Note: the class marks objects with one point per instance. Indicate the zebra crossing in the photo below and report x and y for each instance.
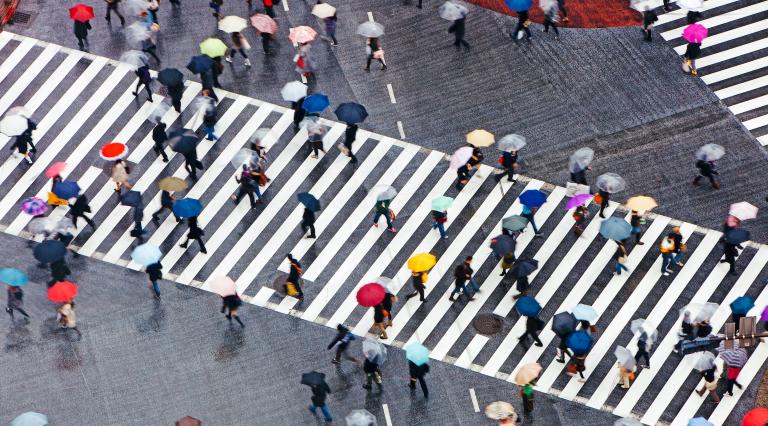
(81, 101)
(734, 57)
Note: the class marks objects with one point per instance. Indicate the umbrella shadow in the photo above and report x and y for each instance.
(156, 321)
(233, 340)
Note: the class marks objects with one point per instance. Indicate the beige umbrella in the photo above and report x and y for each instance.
(232, 24)
(172, 184)
(528, 373)
(500, 410)
(323, 10)
(480, 138)
(641, 203)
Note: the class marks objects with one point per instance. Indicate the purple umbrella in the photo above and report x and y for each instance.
(577, 200)
(764, 315)
(34, 206)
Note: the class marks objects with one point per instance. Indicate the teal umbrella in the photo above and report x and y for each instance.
(146, 254)
(616, 229)
(442, 203)
(417, 353)
(30, 418)
(514, 223)
(13, 277)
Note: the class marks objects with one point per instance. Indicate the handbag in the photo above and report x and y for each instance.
(598, 199)
(571, 368)
(391, 214)
(622, 259)
(631, 376)
(262, 179)
(379, 54)
(290, 289)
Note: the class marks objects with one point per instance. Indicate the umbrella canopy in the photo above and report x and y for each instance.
(627, 421)
(370, 29)
(309, 201)
(384, 192)
(511, 142)
(13, 277)
(293, 91)
(188, 421)
(313, 378)
(519, 5)
(81, 13)
(55, 169)
(514, 223)
(157, 114)
(187, 207)
(63, 224)
(200, 64)
(732, 221)
(19, 110)
(743, 211)
(302, 34)
(611, 182)
(172, 184)
(422, 262)
(170, 77)
(374, 351)
(699, 421)
(500, 410)
(528, 373)
(755, 417)
(351, 112)
(737, 236)
(131, 198)
(323, 10)
(700, 311)
(66, 189)
(359, 417)
(49, 251)
(527, 306)
(577, 200)
(625, 357)
(742, 305)
(183, 141)
(243, 156)
(480, 138)
(641, 203)
(146, 254)
(370, 295)
(705, 361)
(764, 315)
(213, 47)
(584, 313)
(13, 125)
(442, 203)
(461, 156)
(710, 152)
(524, 267)
(580, 342)
(533, 198)
(642, 326)
(264, 23)
(315, 102)
(694, 5)
(223, 286)
(41, 225)
(30, 418)
(135, 7)
(563, 324)
(735, 357)
(503, 244)
(113, 151)
(695, 33)
(580, 160)
(62, 291)
(417, 353)
(452, 10)
(136, 33)
(615, 228)
(135, 58)
(34, 206)
(232, 24)
(388, 284)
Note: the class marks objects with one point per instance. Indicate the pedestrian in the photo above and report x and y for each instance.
(305, 65)
(298, 113)
(686, 327)
(342, 340)
(144, 79)
(506, 262)
(692, 51)
(522, 286)
(706, 170)
(732, 373)
(643, 346)
(563, 10)
(382, 209)
(463, 274)
(533, 325)
(418, 280)
(649, 18)
(438, 222)
(580, 176)
(372, 372)
(195, 233)
(602, 198)
(160, 137)
(666, 248)
(315, 140)
(267, 40)
(229, 305)
(16, 302)
(191, 164)
(308, 222)
(522, 25)
(166, 203)
(175, 93)
(458, 29)
(112, 7)
(81, 32)
(710, 384)
(149, 44)
(66, 318)
(79, 209)
(138, 230)
(562, 350)
(625, 376)
(679, 247)
(475, 160)
(374, 51)
(580, 215)
(380, 320)
(620, 257)
(154, 272)
(248, 186)
(319, 394)
(635, 221)
(269, 8)
(330, 28)
(730, 252)
(24, 140)
(576, 366)
(216, 6)
(528, 213)
(176, 3)
(463, 175)
(153, 8)
(526, 393)
(667, 7)
(350, 134)
(293, 283)
(508, 161)
(120, 171)
(389, 301)
(703, 329)
(209, 118)
(417, 372)
(59, 271)
(240, 44)
(550, 19)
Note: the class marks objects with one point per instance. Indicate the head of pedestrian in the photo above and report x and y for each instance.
(676, 229)
(468, 260)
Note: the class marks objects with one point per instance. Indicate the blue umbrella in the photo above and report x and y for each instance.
(30, 418)
(200, 64)
(742, 305)
(527, 306)
(146, 254)
(315, 103)
(699, 421)
(615, 228)
(533, 198)
(309, 201)
(351, 112)
(187, 207)
(519, 5)
(13, 277)
(49, 251)
(580, 342)
(66, 189)
(131, 198)
(417, 353)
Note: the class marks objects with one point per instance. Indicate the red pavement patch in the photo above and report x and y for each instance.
(581, 13)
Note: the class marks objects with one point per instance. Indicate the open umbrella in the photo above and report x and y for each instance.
(460, 157)
(519, 5)
(533, 198)
(183, 141)
(527, 306)
(422, 262)
(710, 152)
(19, 110)
(580, 342)
(351, 112)
(584, 313)
(223, 286)
(452, 10)
(511, 142)
(374, 351)
(624, 357)
(62, 291)
(442, 203)
(641, 203)
(737, 236)
(135, 58)
(514, 223)
(503, 244)
(66, 189)
(480, 138)
(764, 315)
(695, 33)
(359, 417)
(49, 251)
(136, 33)
(232, 24)
(577, 200)
(524, 267)
(213, 47)
(13, 125)
(743, 211)
(611, 183)
(699, 421)
(200, 64)
(705, 361)
(293, 91)
(563, 324)
(741, 305)
(755, 417)
(63, 224)
(131, 198)
(528, 373)
(313, 378)
(30, 418)
(34, 206)
(315, 102)
(388, 284)
(146, 254)
(384, 192)
(370, 29)
(41, 225)
(243, 156)
(580, 160)
(135, 7)
(500, 410)
(735, 357)
(264, 23)
(188, 421)
(700, 311)
(55, 169)
(81, 13)
(641, 5)
(113, 151)
(417, 353)
(170, 77)
(157, 114)
(370, 295)
(187, 207)
(172, 184)
(323, 10)
(13, 277)
(309, 201)
(615, 228)
(302, 34)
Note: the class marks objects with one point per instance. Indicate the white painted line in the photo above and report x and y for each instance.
(12, 61)
(681, 13)
(728, 35)
(763, 140)
(471, 351)
(25, 79)
(387, 417)
(287, 304)
(731, 53)
(720, 19)
(400, 129)
(5, 37)
(756, 122)
(285, 5)
(472, 396)
(391, 93)
(749, 105)
(85, 181)
(262, 297)
(736, 71)
(370, 16)
(744, 87)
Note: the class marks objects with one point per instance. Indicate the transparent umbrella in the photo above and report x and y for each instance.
(360, 418)
(547, 5)
(159, 112)
(700, 311)
(134, 7)
(710, 152)
(242, 157)
(19, 110)
(452, 10)
(384, 192)
(136, 33)
(624, 357)
(694, 5)
(232, 24)
(259, 136)
(41, 225)
(705, 361)
(374, 351)
(13, 125)
(627, 421)
(500, 410)
(511, 142)
(293, 91)
(581, 159)
(641, 5)
(134, 58)
(370, 29)
(611, 182)
(388, 284)
(641, 325)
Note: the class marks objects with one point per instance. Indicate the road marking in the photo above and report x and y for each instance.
(29, 74)
(10, 63)
(370, 16)
(391, 93)
(400, 129)
(387, 417)
(285, 5)
(719, 19)
(472, 396)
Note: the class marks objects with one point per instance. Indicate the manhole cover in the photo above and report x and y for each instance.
(21, 18)
(279, 283)
(487, 324)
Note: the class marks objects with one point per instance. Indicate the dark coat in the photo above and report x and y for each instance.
(320, 393)
(159, 135)
(60, 270)
(417, 371)
(309, 216)
(349, 135)
(81, 29)
(155, 271)
(533, 324)
(143, 74)
(457, 28)
(80, 206)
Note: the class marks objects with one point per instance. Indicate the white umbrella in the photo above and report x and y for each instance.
(259, 135)
(547, 5)
(19, 110)
(743, 211)
(710, 152)
(452, 10)
(388, 284)
(584, 312)
(134, 58)
(360, 418)
(705, 361)
(511, 142)
(223, 286)
(611, 182)
(293, 91)
(693, 5)
(500, 410)
(232, 24)
(641, 325)
(312, 126)
(63, 224)
(384, 192)
(374, 351)
(203, 104)
(370, 29)
(159, 112)
(624, 357)
(41, 225)
(581, 159)
(641, 5)
(323, 10)
(242, 157)
(136, 33)
(700, 311)
(13, 125)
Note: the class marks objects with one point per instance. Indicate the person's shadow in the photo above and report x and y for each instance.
(232, 342)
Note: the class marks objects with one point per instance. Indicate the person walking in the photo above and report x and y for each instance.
(24, 141)
(209, 118)
(533, 325)
(730, 252)
(330, 28)
(562, 350)
(166, 203)
(462, 175)
(342, 340)
(79, 209)
(248, 186)
(438, 222)
(706, 170)
(153, 8)
(350, 134)
(380, 320)
(508, 161)
(66, 317)
(160, 137)
(625, 375)
(269, 8)
(138, 230)
(635, 221)
(144, 79)
(620, 256)
(602, 198)
(229, 306)
(692, 52)
(522, 286)
(563, 10)
(120, 171)
(298, 113)
(507, 260)
(463, 274)
(59, 271)
(81, 32)
(580, 176)
(643, 346)
(149, 44)
(580, 215)
(382, 209)
(687, 331)
(550, 19)
(315, 140)
(308, 222)
(528, 213)
(175, 93)
(710, 384)
(155, 273)
(194, 233)
(458, 29)
(216, 6)
(293, 283)
(526, 394)
(417, 372)
(576, 366)
(112, 7)
(305, 64)
(240, 45)
(374, 51)
(732, 373)
(16, 302)
(665, 247)
(679, 247)
(191, 164)
(319, 395)
(372, 372)
(649, 18)
(267, 40)
(523, 22)
(418, 281)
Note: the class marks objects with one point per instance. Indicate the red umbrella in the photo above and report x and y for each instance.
(755, 417)
(81, 12)
(370, 295)
(55, 169)
(113, 151)
(62, 291)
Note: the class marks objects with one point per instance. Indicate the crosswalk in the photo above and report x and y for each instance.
(81, 101)
(734, 57)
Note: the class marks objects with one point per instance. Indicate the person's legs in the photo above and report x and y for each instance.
(326, 412)
(202, 245)
(368, 62)
(474, 284)
(441, 227)
(424, 389)
(311, 227)
(252, 199)
(156, 288)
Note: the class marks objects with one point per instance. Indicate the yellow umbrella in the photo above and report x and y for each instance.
(527, 373)
(480, 138)
(421, 262)
(641, 203)
(172, 184)
(213, 47)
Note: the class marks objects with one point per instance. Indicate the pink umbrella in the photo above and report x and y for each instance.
(55, 169)
(764, 315)
(302, 34)
(695, 33)
(34, 206)
(461, 156)
(264, 23)
(223, 286)
(577, 200)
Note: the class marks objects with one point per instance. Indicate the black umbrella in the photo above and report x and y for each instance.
(313, 378)
(131, 198)
(50, 251)
(351, 112)
(309, 201)
(183, 141)
(524, 267)
(503, 244)
(200, 64)
(170, 77)
(563, 324)
(737, 236)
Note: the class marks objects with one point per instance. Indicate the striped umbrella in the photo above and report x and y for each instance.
(735, 357)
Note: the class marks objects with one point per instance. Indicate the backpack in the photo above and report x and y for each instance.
(666, 245)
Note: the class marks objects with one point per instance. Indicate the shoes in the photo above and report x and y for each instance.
(666, 274)
(561, 361)
(203, 251)
(679, 263)
(392, 230)
(368, 387)
(183, 245)
(335, 361)
(228, 59)
(640, 243)
(375, 225)
(538, 344)
(383, 67)
(445, 237)
(366, 69)
(247, 63)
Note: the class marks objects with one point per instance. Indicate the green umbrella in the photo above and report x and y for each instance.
(442, 203)
(514, 223)
(213, 47)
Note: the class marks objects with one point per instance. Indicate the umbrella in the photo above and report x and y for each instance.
(55, 169)
(370, 295)
(313, 378)
(615, 228)
(695, 33)
(136, 33)
(81, 12)
(524, 267)
(213, 47)
(134, 58)
(370, 29)
(146, 254)
(641, 203)
(480, 138)
(315, 102)
(624, 357)
(580, 160)
(421, 262)
(40, 225)
(461, 156)
(243, 156)
(309, 201)
(159, 112)
(694, 5)
(511, 142)
(452, 10)
(743, 211)
(66, 189)
(388, 284)
(710, 152)
(735, 357)
(442, 203)
(514, 223)
(577, 200)
(584, 313)
(49, 251)
(519, 5)
(264, 23)
(351, 112)
(172, 184)
(293, 91)
(742, 305)
(563, 324)
(19, 110)
(232, 24)
(113, 151)
(188, 421)
(30, 418)
(204, 104)
(641, 5)
(700, 311)
(705, 361)
(170, 77)
(323, 10)
(642, 325)
(131, 199)
(223, 286)
(699, 421)
(764, 315)
(374, 351)
(737, 236)
(187, 207)
(62, 291)
(312, 126)
(500, 410)
(302, 34)
(527, 306)
(260, 135)
(359, 417)
(13, 277)
(135, 7)
(13, 125)
(611, 182)
(200, 64)
(384, 192)
(533, 198)
(755, 417)
(417, 353)
(503, 244)
(34, 206)
(183, 141)
(528, 373)
(63, 224)
(580, 342)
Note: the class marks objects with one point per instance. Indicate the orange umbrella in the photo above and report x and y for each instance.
(81, 13)
(62, 291)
